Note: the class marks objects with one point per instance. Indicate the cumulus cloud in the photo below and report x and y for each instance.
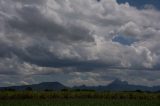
(52, 36)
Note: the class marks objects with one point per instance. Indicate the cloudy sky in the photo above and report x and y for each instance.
(79, 42)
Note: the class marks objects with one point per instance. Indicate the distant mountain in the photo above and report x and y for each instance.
(116, 85)
(119, 85)
(42, 86)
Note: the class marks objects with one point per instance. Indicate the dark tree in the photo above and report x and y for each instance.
(28, 89)
(65, 89)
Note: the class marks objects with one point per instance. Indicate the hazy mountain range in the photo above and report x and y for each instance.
(116, 85)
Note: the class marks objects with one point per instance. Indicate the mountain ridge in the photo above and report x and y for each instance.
(116, 85)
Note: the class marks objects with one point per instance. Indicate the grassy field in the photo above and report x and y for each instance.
(79, 102)
(29, 98)
(4, 95)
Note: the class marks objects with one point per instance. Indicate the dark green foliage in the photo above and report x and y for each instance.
(64, 90)
(139, 91)
(28, 89)
(48, 90)
(79, 102)
(78, 98)
(4, 95)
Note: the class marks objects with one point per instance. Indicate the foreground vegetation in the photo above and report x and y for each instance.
(79, 102)
(80, 98)
(4, 95)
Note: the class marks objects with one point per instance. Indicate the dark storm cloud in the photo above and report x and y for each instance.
(34, 23)
(39, 2)
(42, 57)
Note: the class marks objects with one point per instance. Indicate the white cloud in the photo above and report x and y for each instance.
(52, 35)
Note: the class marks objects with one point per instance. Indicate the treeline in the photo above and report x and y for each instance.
(49, 90)
(71, 90)
(77, 94)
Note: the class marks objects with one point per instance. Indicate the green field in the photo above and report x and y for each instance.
(5, 95)
(79, 102)
(29, 98)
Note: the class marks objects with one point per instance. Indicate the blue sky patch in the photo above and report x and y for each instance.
(140, 4)
(124, 40)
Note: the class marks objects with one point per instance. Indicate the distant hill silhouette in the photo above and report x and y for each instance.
(42, 86)
(116, 85)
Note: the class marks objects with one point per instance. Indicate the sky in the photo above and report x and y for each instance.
(76, 42)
